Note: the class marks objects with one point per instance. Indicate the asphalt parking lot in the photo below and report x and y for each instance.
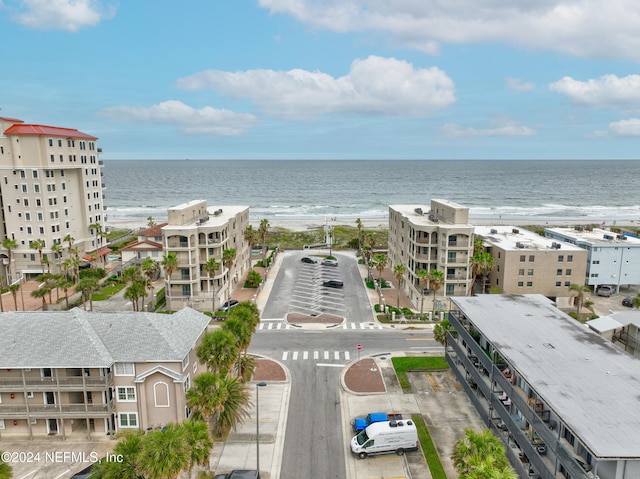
(603, 305)
(309, 296)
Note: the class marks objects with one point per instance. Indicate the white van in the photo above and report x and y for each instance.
(386, 436)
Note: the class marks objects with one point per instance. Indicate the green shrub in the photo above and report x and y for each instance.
(253, 280)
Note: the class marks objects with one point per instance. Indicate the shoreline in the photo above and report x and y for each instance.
(383, 222)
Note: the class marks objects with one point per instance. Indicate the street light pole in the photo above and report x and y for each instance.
(259, 385)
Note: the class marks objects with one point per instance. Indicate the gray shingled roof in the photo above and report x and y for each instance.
(76, 338)
(590, 383)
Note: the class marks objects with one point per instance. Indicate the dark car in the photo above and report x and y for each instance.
(227, 305)
(628, 301)
(239, 474)
(329, 262)
(309, 259)
(333, 283)
(84, 474)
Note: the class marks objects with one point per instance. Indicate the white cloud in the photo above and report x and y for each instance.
(502, 128)
(519, 84)
(630, 127)
(608, 91)
(69, 15)
(585, 28)
(374, 85)
(205, 121)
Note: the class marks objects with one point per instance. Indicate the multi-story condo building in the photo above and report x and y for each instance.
(195, 234)
(612, 258)
(439, 237)
(51, 187)
(525, 262)
(562, 398)
(79, 374)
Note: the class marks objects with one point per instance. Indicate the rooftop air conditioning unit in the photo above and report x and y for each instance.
(519, 245)
(558, 245)
(620, 237)
(578, 228)
(515, 231)
(418, 211)
(494, 231)
(608, 237)
(553, 245)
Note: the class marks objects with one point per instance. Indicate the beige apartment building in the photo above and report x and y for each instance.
(196, 233)
(89, 375)
(527, 263)
(51, 186)
(435, 237)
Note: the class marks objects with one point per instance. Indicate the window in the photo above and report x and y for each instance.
(570, 258)
(567, 283)
(195, 367)
(27, 216)
(25, 201)
(1, 423)
(185, 362)
(36, 188)
(523, 258)
(558, 283)
(129, 419)
(530, 272)
(595, 261)
(531, 258)
(568, 272)
(529, 284)
(126, 394)
(29, 394)
(124, 369)
(559, 272)
(594, 275)
(560, 258)
(161, 394)
(520, 284)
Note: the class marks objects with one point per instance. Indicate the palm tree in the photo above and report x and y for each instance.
(218, 350)
(5, 469)
(39, 246)
(580, 289)
(65, 284)
(88, 286)
(9, 244)
(228, 259)
(436, 279)
(150, 222)
(133, 293)
(57, 250)
(263, 230)
(360, 235)
(14, 292)
(97, 227)
(198, 441)
(242, 332)
(205, 396)
(330, 234)
(423, 279)
(150, 268)
(169, 263)
(41, 293)
(481, 263)
(69, 240)
(128, 451)
(636, 301)
(380, 260)
(72, 264)
(211, 267)
(441, 331)
(165, 453)
(398, 272)
(250, 236)
(481, 455)
(235, 407)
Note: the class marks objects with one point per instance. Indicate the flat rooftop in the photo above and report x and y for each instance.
(216, 216)
(596, 236)
(420, 214)
(587, 381)
(509, 237)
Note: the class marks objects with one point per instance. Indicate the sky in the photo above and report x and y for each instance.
(329, 79)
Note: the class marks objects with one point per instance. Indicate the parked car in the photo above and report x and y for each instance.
(329, 262)
(239, 474)
(309, 259)
(333, 283)
(628, 301)
(605, 290)
(228, 305)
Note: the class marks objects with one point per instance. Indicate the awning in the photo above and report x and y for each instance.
(98, 254)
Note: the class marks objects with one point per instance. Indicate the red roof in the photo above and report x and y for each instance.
(43, 130)
(101, 252)
(152, 232)
(145, 245)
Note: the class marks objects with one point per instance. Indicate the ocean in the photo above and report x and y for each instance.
(314, 190)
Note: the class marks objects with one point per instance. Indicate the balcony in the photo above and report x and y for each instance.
(55, 410)
(63, 382)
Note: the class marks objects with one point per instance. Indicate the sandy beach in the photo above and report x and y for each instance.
(383, 223)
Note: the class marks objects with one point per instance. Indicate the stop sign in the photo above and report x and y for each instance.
(359, 347)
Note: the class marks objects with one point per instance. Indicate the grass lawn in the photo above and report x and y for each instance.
(107, 292)
(416, 363)
(428, 448)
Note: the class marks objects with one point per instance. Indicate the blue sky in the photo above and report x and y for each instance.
(329, 79)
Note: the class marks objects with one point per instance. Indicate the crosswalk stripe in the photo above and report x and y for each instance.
(295, 356)
(305, 355)
(326, 355)
(347, 356)
(284, 355)
(316, 355)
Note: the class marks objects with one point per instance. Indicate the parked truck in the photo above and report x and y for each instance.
(384, 437)
(361, 423)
